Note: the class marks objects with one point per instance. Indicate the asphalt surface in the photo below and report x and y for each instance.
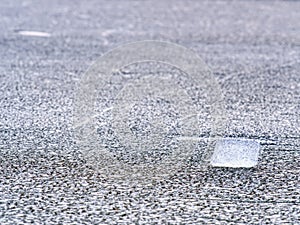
(252, 47)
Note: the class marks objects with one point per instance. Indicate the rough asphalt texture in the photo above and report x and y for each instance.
(253, 49)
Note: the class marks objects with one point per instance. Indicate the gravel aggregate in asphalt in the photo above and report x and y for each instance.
(252, 47)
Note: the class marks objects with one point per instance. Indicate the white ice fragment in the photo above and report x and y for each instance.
(34, 33)
(232, 152)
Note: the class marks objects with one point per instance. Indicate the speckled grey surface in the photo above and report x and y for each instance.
(254, 51)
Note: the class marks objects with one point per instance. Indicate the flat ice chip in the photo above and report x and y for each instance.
(235, 153)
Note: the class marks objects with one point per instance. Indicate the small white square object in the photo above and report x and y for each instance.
(235, 153)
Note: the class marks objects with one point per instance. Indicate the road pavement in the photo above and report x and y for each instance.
(253, 49)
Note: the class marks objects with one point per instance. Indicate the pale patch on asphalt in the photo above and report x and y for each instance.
(108, 32)
(33, 33)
